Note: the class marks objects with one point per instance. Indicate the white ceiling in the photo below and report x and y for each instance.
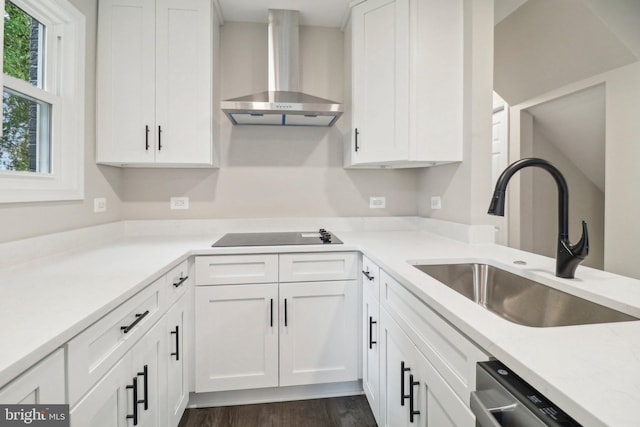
(575, 124)
(322, 13)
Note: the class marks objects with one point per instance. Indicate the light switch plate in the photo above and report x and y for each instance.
(179, 203)
(378, 202)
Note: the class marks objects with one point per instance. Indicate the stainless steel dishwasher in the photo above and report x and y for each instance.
(503, 399)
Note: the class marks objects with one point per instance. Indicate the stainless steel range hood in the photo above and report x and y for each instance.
(283, 104)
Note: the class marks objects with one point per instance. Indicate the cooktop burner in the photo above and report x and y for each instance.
(320, 237)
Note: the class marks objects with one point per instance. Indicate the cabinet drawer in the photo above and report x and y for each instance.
(236, 269)
(370, 277)
(451, 353)
(41, 384)
(94, 351)
(177, 282)
(312, 267)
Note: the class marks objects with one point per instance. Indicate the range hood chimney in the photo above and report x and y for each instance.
(283, 104)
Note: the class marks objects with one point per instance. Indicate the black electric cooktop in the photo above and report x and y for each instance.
(320, 237)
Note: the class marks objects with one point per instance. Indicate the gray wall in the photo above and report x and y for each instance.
(21, 220)
(465, 187)
(273, 171)
(622, 203)
(586, 202)
(265, 172)
(546, 44)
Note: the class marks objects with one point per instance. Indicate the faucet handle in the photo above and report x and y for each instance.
(581, 249)
(570, 256)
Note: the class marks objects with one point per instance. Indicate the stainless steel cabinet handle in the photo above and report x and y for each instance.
(146, 137)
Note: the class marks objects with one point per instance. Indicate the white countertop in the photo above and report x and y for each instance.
(592, 371)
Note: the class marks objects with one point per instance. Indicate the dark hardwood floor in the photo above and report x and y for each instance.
(350, 411)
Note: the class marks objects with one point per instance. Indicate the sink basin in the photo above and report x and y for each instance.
(518, 299)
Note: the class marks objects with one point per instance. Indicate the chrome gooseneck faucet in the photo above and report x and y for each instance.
(568, 256)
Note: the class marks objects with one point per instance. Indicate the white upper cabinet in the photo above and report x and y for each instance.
(154, 82)
(407, 83)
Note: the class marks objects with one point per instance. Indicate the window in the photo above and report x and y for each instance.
(26, 140)
(41, 144)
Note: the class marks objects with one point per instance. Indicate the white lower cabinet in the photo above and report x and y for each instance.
(148, 383)
(109, 403)
(269, 335)
(371, 344)
(149, 364)
(236, 340)
(396, 365)
(412, 391)
(417, 369)
(259, 335)
(131, 392)
(177, 356)
(42, 384)
(318, 332)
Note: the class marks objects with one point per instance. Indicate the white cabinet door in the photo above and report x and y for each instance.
(154, 84)
(183, 82)
(396, 365)
(42, 384)
(149, 365)
(439, 404)
(125, 105)
(407, 83)
(380, 81)
(371, 348)
(236, 340)
(110, 402)
(318, 332)
(178, 367)
(419, 387)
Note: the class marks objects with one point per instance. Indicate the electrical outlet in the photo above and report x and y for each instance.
(379, 202)
(436, 202)
(99, 204)
(179, 203)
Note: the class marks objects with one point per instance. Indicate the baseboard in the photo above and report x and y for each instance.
(274, 394)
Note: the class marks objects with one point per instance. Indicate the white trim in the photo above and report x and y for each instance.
(65, 90)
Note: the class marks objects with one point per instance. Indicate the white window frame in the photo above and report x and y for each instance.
(65, 91)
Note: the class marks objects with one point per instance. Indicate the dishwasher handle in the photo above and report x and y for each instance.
(484, 417)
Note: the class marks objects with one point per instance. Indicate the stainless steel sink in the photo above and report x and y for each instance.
(518, 299)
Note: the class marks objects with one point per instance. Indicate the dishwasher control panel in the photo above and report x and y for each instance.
(506, 397)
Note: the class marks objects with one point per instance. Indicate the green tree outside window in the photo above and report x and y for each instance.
(18, 112)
